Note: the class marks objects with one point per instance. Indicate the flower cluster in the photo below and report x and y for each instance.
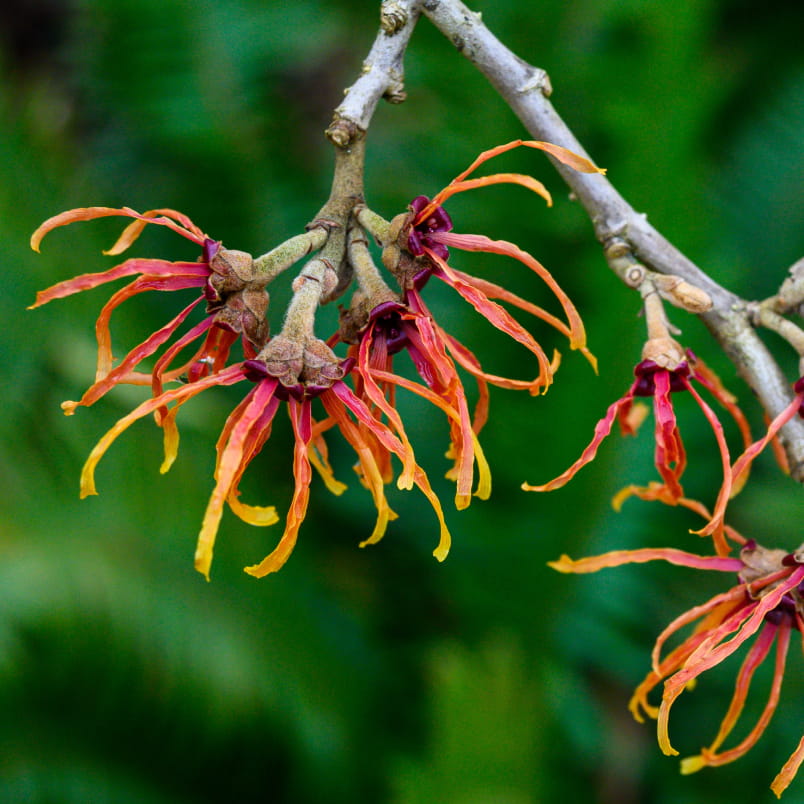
(766, 604)
(354, 393)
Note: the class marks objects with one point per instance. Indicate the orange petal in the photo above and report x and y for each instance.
(227, 377)
(302, 474)
(602, 430)
(754, 658)
(577, 333)
(616, 558)
(485, 181)
(229, 468)
(391, 443)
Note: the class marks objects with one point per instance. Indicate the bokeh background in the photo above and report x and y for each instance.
(377, 674)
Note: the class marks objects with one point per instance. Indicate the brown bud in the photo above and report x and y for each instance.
(284, 359)
(759, 562)
(664, 351)
(342, 132)
(230, 261)
(791, 293)
(321, 364)
(398, 229)
(393, 17)
(682, 294)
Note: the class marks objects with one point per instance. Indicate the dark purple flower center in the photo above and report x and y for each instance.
(211, 249)
(798, 387)
(255, 370)
(389, 326)
(437, 221)
(646, 382)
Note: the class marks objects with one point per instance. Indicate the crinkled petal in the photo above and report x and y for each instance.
(300, 417)
(755, 656)
(463, 357)
(564, 155)
(186, 274)
(708, 657)
(499, 317)
(227, 377)
(743, 463)
(229, 467)
(174, 220)
(483, 490)
(499, 293)
(119, 373)
(377, 398)
(103, 336)
(602, 430)
(485, 181)
(670, 457)
(177, 221)
(392, 443)
(319, 457)
(715, 527)
(369, 470)
(617, 558)
(577, 333)
(714, 611)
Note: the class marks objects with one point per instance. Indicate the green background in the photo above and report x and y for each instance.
(377, 674)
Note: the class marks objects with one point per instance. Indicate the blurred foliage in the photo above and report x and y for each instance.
(374, 675)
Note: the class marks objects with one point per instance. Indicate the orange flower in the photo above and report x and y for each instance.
(430, 235)
(230, 312)
(246, 432)
(670, 457)
(393, 327)
(766, 604)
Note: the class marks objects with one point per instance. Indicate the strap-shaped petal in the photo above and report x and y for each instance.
(229, 468)
(300, 417)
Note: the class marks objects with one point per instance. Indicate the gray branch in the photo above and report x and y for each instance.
(383, 74)
(526, 89)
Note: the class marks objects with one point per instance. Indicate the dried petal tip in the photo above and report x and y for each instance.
(564, 564)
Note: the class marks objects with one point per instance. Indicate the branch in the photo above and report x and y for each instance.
(526, 90)
(382, 75)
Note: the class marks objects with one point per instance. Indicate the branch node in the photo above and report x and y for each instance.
(538, 81)
(635, 275)
(342, 132)
(395, 93)
(615, 247)
(393, 17)
(791, 293)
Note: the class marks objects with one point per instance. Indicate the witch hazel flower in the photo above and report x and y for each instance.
(394, 327)
(765, 606)
(666, 369)
(419, 249)
(248, 428)
(231, 288)
(381, 323)
(233, 309)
